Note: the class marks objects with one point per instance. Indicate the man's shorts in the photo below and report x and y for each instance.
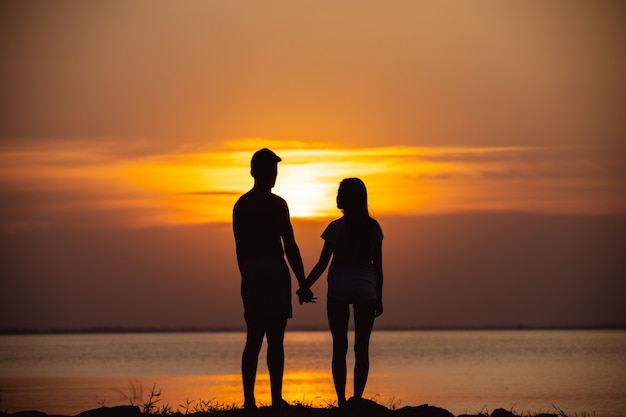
(266, 289)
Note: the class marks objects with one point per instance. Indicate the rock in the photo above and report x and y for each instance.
(119, 411)
(362, 407)
(501, 412)
(423, 410)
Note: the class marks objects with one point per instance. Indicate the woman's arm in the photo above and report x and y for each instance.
(378, 269)
(322, 263)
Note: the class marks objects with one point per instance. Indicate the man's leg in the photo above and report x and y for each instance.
(276, 357)
(249, 361)
(363, 322)
(338, 317)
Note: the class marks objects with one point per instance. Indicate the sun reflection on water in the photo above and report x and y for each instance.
(306, 387)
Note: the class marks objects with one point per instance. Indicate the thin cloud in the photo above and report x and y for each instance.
(212, 193)
(197, 187)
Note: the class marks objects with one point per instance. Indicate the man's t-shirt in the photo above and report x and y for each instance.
(259, 221)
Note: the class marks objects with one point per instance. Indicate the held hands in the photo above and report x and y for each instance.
(305, 295)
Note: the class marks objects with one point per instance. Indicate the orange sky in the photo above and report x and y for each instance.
(118, 116)
(184, 188)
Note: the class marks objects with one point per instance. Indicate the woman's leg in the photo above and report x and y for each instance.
(338, 316)
(363, 322)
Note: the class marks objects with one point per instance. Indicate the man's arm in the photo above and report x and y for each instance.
(289, 243)
(292, 251)
(235, 221)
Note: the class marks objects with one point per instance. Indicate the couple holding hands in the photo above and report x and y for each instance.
(264, 237)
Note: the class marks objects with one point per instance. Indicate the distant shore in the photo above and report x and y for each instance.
(189, 329)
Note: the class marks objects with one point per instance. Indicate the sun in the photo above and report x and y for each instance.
(307, 190)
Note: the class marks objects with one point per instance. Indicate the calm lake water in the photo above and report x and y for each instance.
(461, 371)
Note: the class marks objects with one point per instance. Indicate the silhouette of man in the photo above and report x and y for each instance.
(263, 236)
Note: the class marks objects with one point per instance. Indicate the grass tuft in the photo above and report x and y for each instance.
(151, 406)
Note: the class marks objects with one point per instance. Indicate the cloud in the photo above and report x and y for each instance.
(438, 176)
(213, 193)
(104, 183)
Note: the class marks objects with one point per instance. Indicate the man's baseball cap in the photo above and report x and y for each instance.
(262, 159)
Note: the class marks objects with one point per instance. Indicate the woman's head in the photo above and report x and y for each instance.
(352, 197)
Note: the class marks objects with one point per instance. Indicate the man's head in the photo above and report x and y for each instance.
(263, 166)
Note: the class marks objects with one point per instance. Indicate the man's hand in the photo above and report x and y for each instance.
(379, 308)
(305, 295)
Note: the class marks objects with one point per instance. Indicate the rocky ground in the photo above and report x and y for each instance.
(362, 408)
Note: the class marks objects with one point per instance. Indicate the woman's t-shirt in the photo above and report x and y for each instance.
(352, 278)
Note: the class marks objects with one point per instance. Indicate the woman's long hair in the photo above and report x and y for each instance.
(352, 199)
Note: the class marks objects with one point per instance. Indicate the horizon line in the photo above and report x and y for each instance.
(301, 328)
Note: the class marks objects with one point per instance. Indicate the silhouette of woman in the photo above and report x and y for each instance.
(355, 277)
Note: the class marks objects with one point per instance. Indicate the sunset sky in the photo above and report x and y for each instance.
(491, 136)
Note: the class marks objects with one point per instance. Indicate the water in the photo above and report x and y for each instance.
(462, 371)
